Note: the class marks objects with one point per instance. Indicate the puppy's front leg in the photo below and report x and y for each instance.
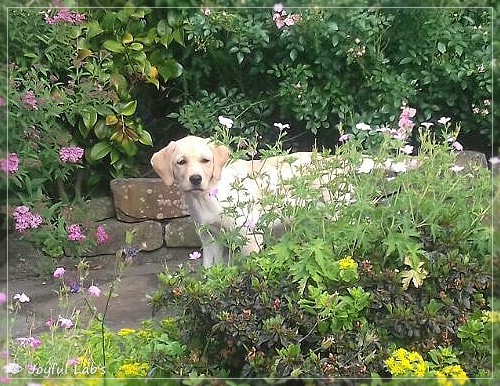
(213, 253)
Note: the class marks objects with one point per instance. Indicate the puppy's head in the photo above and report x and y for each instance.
(192, 163)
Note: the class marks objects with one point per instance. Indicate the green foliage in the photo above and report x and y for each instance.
(400, 262)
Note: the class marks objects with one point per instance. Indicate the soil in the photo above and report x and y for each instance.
(24, 269)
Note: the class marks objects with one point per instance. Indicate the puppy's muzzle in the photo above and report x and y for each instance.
(195, 180)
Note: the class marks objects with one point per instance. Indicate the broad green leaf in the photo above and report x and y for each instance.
(178, 36)
(101, 130)
(113, 46)
(127, 108)
(89, 118)
(100, 150)
(170, 69)
(441, 47)
(127, 38)
(163, 28)
(93, 29)
(136, 46)
(111, 120)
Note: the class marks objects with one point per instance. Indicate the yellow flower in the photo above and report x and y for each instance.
(132, 370)
(405, 363)
(348, 263)
(451, 376)
(125, 331)
(491, 317)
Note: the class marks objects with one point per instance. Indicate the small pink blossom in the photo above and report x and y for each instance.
(59, 272)
(31, 368)
(457, 146)
(94, 291)
(213, 192)
(101, 235)
(345, 137)
(75, 233)
(194, 255)
(278, 7)
(25, 219)
(3, 298)
(29, 100)
(72, 362)
(250, 225)
(11, 164)
(71, 154)
(64, 322)
(408, 112)
(29, 341)
(64, 15)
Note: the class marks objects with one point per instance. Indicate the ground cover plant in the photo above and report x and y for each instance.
(390, 279)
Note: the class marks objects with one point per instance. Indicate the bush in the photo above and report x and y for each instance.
(400, 262)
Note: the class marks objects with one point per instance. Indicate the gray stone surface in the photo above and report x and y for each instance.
(139, 199)
(471, 159)
(95, 209)
(148, 236)
(181, 232)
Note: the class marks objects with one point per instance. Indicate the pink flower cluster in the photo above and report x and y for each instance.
(30, 101)
(71, 154)
(30, 341)
(11, 164)
(25, 219)
(281, 18)
(64, 15)
(101, 235)
(75, 233)
(405, 123)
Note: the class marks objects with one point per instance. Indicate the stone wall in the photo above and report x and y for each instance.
(157, 214)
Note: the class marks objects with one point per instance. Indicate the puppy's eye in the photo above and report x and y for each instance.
(205, 160)
(182, 161)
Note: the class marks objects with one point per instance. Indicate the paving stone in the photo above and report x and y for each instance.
(181, 232)
(139, 199)
(148, 236)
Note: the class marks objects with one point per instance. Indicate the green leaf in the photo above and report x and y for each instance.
(101, 130)
(113, 46)
(89, 118)
(441, 47)
(136, 46)
(145, 138)
(293, 54)
(93, 29)
(170, 69)
(127, 108)
(99, 150)
(240, 57)
(163, 28)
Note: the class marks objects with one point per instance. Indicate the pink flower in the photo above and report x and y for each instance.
(59, 272)
(75, 233)
(64, 322)
(2, 102)
(3, 298)
(194, 255)
(94, 291)
(71, 154)
(213, 192)
(11, 164)
(101, 235)
(64, 15)
(250, 225)
(25, 219)
(345, 137)
(408, 112)
(72, 362)
(278, 7)
(457, 146)
(30, 341)
(29, 100)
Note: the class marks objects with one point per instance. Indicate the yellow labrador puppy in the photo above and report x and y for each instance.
(209, 182)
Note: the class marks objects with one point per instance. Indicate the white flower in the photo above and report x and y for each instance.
(228, 122)
(494, 161)
(457, 168)
(444, 120)
(427, 124)
(407, 149)
(281, 126)
(457, 146)
(398, 167)
(366, 166)
(363, 126)
(22, 298)
(12, 368)
(194, 255)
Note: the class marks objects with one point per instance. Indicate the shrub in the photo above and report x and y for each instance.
(402, 261)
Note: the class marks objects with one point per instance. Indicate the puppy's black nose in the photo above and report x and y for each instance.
(195, 179)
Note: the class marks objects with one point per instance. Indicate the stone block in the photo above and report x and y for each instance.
(138, 199)
(148, 236)
(95, 209)
(181, 232)
(471, 159)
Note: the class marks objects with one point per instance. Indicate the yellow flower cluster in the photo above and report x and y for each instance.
(132, 370)
(347, 263)
(451, 376)
(405, 363)
(491, 317)
(125, 331)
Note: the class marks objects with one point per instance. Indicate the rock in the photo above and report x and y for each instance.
(471, 159)
(95, 209)
(181, 232)
(139, 199)
(148, 236)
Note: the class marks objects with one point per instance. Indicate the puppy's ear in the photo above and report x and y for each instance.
(162, 163)
(221, 156)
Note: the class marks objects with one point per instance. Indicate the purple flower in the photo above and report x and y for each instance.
(94, 291)
(72, 362)
(64, 15)
(75, 233)
(250, 225)
(71, 154)
(213, 192)
(3, 298)
(29, 341)
(74, 287)
(345, 137)
(101, 235)
(29, 100)
(11, 164)
(25, 219)
(59, 272)
(64, 322)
